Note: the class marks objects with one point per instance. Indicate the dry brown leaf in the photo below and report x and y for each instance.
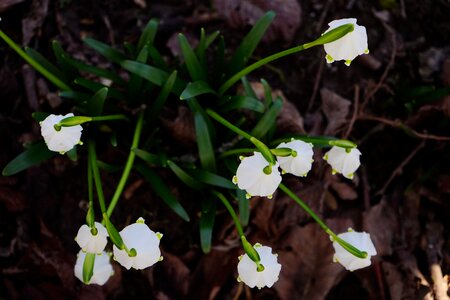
(336, 109)
(6, 4)
(344, 188)
(242, 13)
(308, 270)
(174, 268)
(31, 25)
(12, 199)
(381, 221)
(181, 127)
(394, 280)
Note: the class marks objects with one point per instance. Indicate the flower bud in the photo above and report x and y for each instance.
(102, 269)
(61, 140)
(92, 241)
(300, 164)
(344, 161)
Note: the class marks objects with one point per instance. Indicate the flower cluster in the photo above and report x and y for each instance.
(258, 177)
(141, 250)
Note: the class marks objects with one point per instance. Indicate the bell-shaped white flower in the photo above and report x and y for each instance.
(350, 45)
(63, 140)
(344, 161)
(92, 243)
(360, 240)
(248, 270)
(144, 241)
(300, 163)
(102, 268)
(256, 176)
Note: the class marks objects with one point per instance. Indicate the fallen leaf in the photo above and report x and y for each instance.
(6, 4)
(32, 23)
(181, 127)
(240, 14)
(336, 110)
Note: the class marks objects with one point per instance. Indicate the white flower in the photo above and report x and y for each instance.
(92, 243)
(250, 176)
(102, 268)
(247, 268)
(360, 240)
(300, 164)
(342, 161)
(63, 140)
(144, 241)
(349, 46)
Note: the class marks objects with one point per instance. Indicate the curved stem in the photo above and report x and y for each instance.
(231, 211)
(350, 248)
(236, 151)
(128, 165)
(92, 156)
(227, 124)
(236, 77)
(52, 78)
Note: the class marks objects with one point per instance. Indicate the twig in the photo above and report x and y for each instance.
(399, 124)
(434, 245)
(355, 112)
(389, 66)
(316, 85)
(400, 167)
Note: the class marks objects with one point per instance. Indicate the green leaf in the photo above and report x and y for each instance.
(72, 154)
(79, 96)
(135, 80)
(207, 219)
(205, 147)
(114, 235)
(88, 267)
(184, 176)
(268, 120)
(45, 63)
(211, 38)
(94, 70)
(196, 88)
(162, 97)
(212, 179)
(95, 86)
(242, 102)
(249, 43)
(157, 58)
(105, 50)
(267, 93)
(95, 104)
(148, 34)
(244, 207)
(193, 65)
(218, 74)
(33, 155)
(248, 88)
(70, 71)
(152, 74)
(108, 167)
(39, 115)
(158, 185)
(148, 157)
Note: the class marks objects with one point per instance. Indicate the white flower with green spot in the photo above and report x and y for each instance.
(92, 240)
(248, 269)
(256, 176)
(102, 268)
(360, 240)
(349, 46)
(144, 241)
(300, 162)
(343, 161)
(63, 140)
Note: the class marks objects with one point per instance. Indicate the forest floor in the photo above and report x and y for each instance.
(394, 103)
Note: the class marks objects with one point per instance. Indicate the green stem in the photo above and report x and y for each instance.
(236, 151)
(353, 250)
(92, 156)
(236, 77)
(55, 80)
(265, 151)
(227, 124)
(328, 37)
(109, 118)
(231, 211)
(90, 216)
(128, 165)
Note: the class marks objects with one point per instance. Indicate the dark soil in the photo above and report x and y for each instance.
(401, 194)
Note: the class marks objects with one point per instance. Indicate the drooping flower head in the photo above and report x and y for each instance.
(92, 240)
(102, 268)
(344, 161)
(256, 176)
(144, 241)
(360, 240)
(300, 163)
(248, 270)
(63, 140)
(349, 46)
